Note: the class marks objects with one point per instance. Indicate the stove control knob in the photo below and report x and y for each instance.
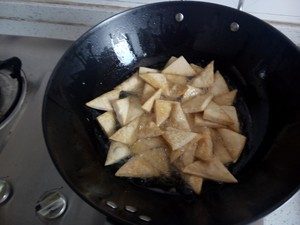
(5, 191)
(51, 205)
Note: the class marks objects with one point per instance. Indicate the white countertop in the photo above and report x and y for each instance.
(287, 214)
(68, 19)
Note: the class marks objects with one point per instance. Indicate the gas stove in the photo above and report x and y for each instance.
(34, 189)
(32, 192)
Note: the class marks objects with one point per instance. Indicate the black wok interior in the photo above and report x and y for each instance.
(257, 59)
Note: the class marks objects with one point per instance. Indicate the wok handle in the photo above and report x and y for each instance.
(240, 5)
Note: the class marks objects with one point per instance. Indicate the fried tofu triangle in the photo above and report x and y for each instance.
(212, 169)
(225, 99)
(137, 167)
(205, 78)
(197, 103)
(178, 138)
(179, 67)
(107, 121)
(145, 144)
(127, 134)
(234, 142)
(103, 102)
(117, 151)
(157, 158)
(147, 128)
(194, 182)
(162, 109)
(216, 114)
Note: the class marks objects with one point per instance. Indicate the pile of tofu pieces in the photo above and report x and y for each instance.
(180, 118)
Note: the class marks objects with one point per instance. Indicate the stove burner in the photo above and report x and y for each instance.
(11, 86)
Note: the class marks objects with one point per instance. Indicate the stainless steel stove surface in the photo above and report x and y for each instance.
(37, 191)
(24, 161)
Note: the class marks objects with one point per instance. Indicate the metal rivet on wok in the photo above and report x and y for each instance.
(262, 75)
(234, 26)
(130, 209)
(111, 204)
(145, 218)
(179, 17)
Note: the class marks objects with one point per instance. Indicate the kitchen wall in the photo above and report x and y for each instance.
(68, 19)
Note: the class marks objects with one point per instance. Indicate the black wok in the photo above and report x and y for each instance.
(256, 58)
